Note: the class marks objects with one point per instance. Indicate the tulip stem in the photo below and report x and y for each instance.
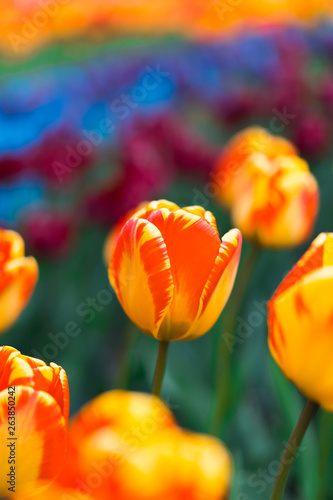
(227, 338)
(292, 447)
(160, 367)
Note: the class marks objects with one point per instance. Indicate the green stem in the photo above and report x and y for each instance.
(292, 447)
(324, 445)
(160, 367)
(227, 339)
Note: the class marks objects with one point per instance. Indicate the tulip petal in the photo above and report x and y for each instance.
(319, 254)
(11, 246)
(304, 354)
(41, 438)
(17, 283)
(219, 284)
(192, 246)
(299, 200)
(140, 269)
(204, 214)
(14, 369)
(53, 380)
(141, 212)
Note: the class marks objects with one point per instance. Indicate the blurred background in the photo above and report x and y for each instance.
(106, 104)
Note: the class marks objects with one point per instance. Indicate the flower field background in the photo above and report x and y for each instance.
(90, 127)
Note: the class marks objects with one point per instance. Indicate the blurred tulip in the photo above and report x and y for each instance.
(62, 156)
(277, 201)
(41, 407)
(127, 445)
(48, 232)
(236, 106)
(175, 259)
(300, 323)
(230, 163)
(10, 167)
(312, 135)
(18, 278)
(183, 147)
(145, 173)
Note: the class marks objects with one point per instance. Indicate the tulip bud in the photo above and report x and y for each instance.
(175, 259)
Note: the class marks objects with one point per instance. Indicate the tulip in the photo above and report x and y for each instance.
(300, 315)
(18, 278)
(126, 445)
(48, 232)
(300, 309)
(277, 201)
(230, 163)
(174, 259)
(34, 408)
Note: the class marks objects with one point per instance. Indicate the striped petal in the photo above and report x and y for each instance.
(141, 276)
(141, 212)
(319, 254)
(17, 282)
(14, 370)
(294, 217)
(300, 325)
(204, 214)
(219, 284)
(192, 246)
(53, 380)
(11, 246)
(40, 446)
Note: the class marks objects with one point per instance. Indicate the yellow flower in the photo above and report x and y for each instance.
(300, 322)
(170, 270)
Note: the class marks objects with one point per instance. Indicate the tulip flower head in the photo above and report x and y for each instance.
(34, 408)
(300, 321)
(133, 444)
(18, 278)
(277, 201)
(171, 272)
(230, 163)
(272, 196)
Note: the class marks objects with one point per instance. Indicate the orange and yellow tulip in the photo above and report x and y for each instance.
(18, 278)
(174, 258)
(230, 164)
(300, 322)
(277, 201)
(126, 445)
(34, 408)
